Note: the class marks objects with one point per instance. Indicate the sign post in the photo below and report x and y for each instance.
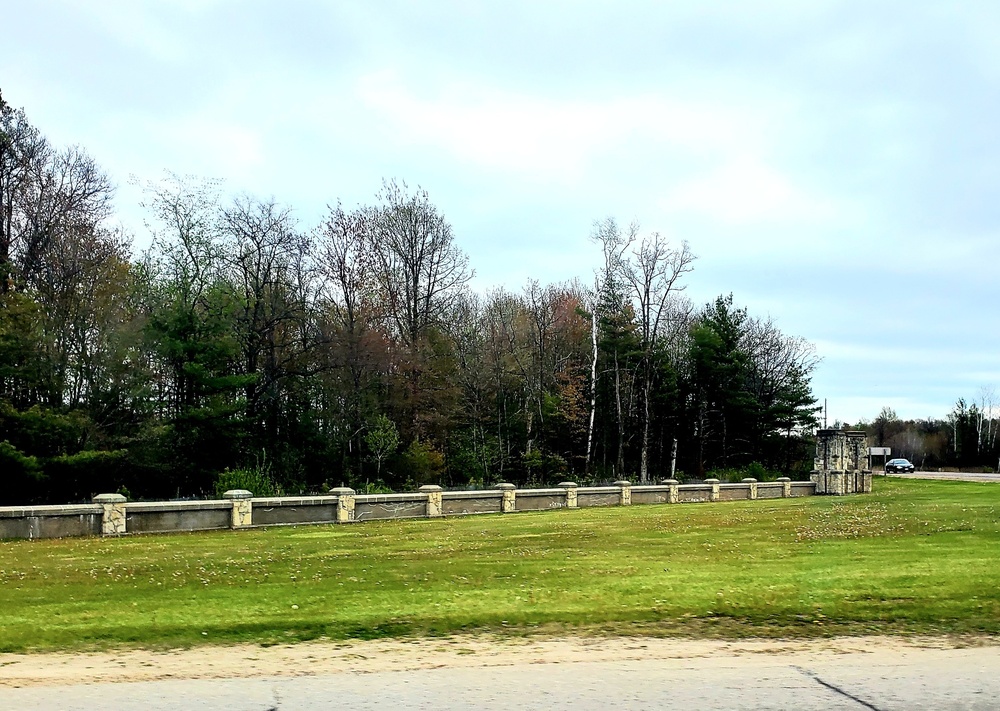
(884, 452)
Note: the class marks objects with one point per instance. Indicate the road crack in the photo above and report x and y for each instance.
(832, 687)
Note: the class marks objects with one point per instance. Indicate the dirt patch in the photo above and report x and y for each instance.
(315, 658)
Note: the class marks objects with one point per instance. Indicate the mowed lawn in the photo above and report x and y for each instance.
(915, 556)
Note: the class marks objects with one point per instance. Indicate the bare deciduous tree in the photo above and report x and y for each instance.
(421, 268)
(653, 271)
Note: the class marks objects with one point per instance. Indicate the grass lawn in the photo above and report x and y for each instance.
(915, 556)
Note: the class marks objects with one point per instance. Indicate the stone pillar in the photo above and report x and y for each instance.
(345, 503)
(753, 486)
(714, 495)
(866, 481)
(242, 507)
(113, 519)
(626, 492)
(434, 499)
(508, 504)
(835, 482)
(672, 492)
(786, 486)
(570, 487)
(856, 446)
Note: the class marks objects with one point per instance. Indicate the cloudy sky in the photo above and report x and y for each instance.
(835, 165)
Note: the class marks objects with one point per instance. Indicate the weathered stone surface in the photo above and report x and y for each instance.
(598, 496)
(841, 462)
(509, 502)
(540, 499)
(471, 502)
(690, 493)
(734, 492)
(113, 522)
(372, 509)
(650, 495)
(50, 521)
(570, 487)
(714, 493)
(434, 508)
(753, 487)
(242, 513)
(272, 513)
(626, 492)
(786, 486)
(345, 503)
(242, 507)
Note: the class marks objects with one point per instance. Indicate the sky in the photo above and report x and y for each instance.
(833, 165)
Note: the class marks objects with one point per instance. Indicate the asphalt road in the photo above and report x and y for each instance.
(915, 679)
(949, 476)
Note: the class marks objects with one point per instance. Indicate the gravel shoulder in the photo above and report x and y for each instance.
(472, 652)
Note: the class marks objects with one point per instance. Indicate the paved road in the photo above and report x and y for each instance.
(915, 679)
(950, 476)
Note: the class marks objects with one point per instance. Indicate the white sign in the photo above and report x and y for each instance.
(879, 451)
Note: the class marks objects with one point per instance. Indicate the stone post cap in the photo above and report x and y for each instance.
(567, 485)
(711, 481)
(783, 478)
(109, 499)
(670, 482)
(505, 486)
(238, 494)
(749, 480)
(622, 482)
(342, 491)
(430, 487)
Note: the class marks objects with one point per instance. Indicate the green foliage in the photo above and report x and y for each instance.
(22, 365)
(424, 464)
(43, 431)
(256, 479)
(373, 487)
(79, 476)
(382, 440)
(754, 470)
(541, 466)
(22, 475)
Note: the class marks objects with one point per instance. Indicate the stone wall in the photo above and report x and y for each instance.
(111, 514)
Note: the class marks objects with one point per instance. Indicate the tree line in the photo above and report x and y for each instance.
(242, 348)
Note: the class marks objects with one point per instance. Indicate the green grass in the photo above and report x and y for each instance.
(914, 557)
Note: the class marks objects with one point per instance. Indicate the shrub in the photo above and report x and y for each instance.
(256, 479)
(22, 475)
(373, 487)
(735, 475)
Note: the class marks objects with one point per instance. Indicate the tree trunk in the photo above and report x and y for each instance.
(593, 385)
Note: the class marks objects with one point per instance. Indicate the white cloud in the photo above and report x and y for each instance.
(747, 190)
(544, 137)
(200, 143)
(152, 29)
